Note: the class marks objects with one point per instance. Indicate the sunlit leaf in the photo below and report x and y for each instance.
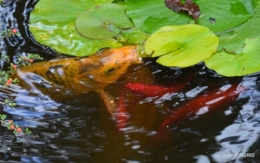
(58, 11)
(102, 21)
(65, 39)
(228, 64)
(181, 46)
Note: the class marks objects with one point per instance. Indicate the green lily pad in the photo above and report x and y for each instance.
(221, 15)
(181, 46)
(58, 11)
(150, 15)
(52, 23)
(103, 21)
(217, 15)
(66, 40)
(227, 64)
(233, 40)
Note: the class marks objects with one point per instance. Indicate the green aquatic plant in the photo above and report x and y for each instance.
(233, 41)
(12, 126)
(108, 19)
(150, 15)
(181, 46)
(9, 123)
(7, 80)
(6, 76)
(52, 23)
(9, 32)
(228, 64)
(219, 15)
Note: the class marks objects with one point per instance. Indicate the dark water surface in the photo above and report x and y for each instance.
(81, 129)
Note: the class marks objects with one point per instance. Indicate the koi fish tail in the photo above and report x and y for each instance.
(163, 137)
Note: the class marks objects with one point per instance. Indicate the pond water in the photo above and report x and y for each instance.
(81, 130)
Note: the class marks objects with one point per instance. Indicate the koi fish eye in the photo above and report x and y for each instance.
(110, 70)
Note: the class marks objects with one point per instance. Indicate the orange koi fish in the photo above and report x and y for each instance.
(63, 77)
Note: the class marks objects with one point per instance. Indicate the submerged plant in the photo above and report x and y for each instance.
(6, 80)
(10, 32)
(6, 76)
(12, 126)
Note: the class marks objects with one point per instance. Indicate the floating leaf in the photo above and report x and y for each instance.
(150, 15)
(102, 21)
(233, 40)
(217, 15)
(181, 46)
(220, 15)
(227, 64)
(58, 11)
(52, 23)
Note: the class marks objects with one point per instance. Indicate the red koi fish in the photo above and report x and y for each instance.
(121, 115)
(211, 101)
(155, 90)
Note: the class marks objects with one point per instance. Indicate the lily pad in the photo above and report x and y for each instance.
(52, 23)
(66, 40)
(233, 40)
(150, 15)
(221, 15)
(181, 46)
(227, 64)
(102, 21)
(61, 11)
(217, 15)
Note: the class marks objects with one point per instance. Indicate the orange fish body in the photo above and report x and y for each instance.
(149, 90)
(156, 90)
(212, 100)
(71, 76)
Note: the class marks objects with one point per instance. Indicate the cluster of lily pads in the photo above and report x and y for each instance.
(226, 36)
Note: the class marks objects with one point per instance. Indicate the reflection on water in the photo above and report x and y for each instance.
(238, 140)
(81, 130)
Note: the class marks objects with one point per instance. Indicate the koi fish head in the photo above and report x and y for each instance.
(106, 67)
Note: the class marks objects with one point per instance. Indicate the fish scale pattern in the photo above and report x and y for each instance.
(60, 74)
